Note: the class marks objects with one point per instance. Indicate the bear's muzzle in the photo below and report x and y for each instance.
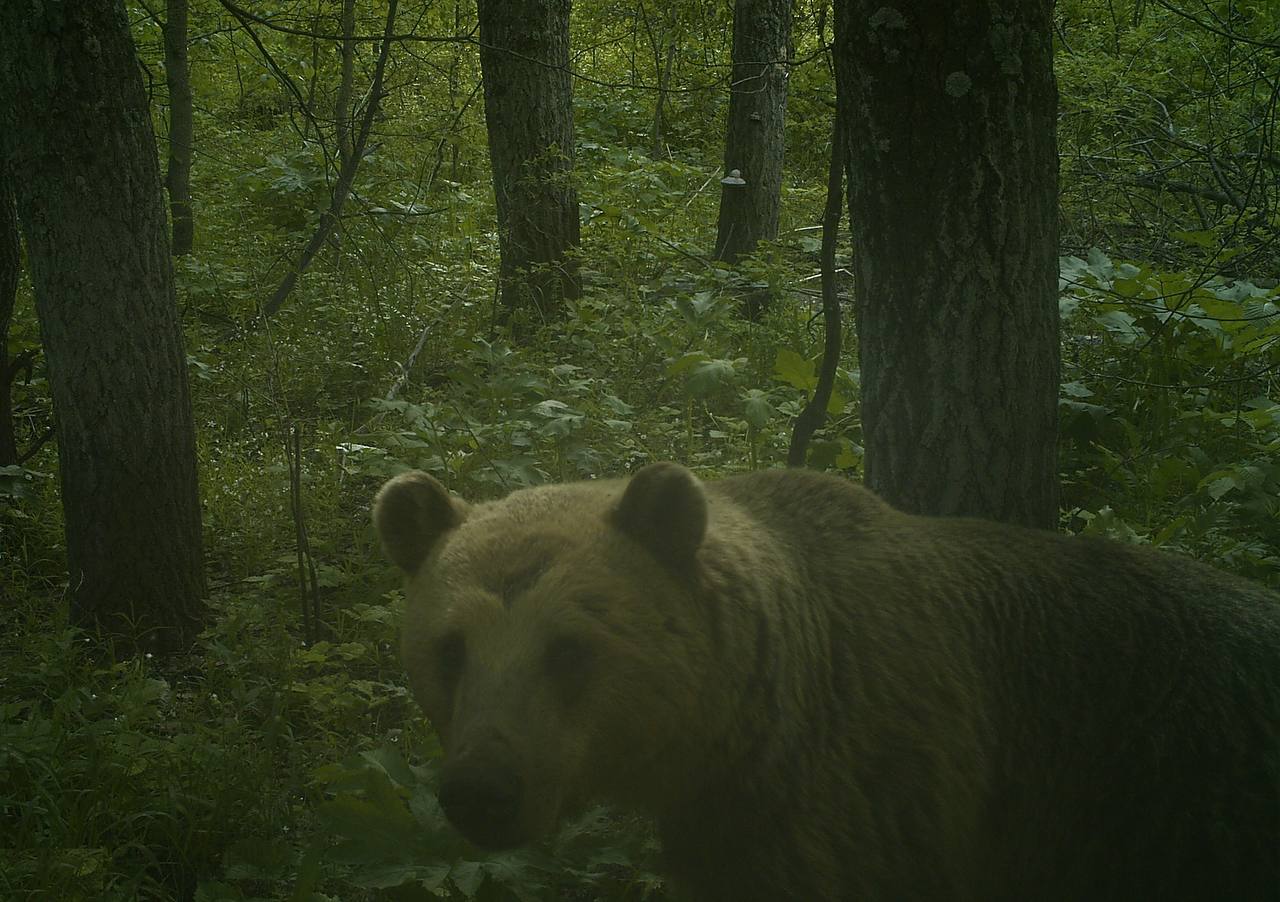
(482, 798)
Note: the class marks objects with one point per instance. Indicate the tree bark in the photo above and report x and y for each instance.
(754, 138)
(346, 83)
(77, 129)
(181, 127)
(814, 413)
(951, 114)
(528, 98)
(662, 46)
(10, 257)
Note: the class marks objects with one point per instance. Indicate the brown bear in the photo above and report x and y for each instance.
(821, 698)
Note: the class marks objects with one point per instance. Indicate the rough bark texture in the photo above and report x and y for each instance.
(9, 261)
(754, 135)
(528, 100)
(951, 111)
(181, 127)
(78, 131)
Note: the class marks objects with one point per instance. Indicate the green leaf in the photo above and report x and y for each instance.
(709, 376)
(757, 408)
(825, 452)
(795, 370)
(468, 876)
(1099, 264)
(390, 761)
(685, 362)
(850, 457)
(1200, 238)
(388, 876)
(550, 408)
(1120, 325)
(1220, 486)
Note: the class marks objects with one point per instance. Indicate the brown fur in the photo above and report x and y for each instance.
(821, 698)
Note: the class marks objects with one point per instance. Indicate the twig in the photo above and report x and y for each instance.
(346, 176)
(407, 366)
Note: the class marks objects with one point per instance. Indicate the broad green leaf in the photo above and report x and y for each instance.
(795, 370)
(685, 362)
(711, 375)
(757, 408)
(392, 763)
(1201, 238)
(1220, 486)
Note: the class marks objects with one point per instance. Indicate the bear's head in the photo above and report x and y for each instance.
(555, 638)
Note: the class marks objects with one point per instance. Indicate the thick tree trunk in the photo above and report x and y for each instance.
(528, 99)
(181, 127)
(10, 256)
(78, 132)
(754, 135)
(951, 113)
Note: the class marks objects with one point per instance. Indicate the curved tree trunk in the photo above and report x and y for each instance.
(814, 413)
(528, 106)
(951, 115)
(78, 132)
(754, 137)
(181, 127)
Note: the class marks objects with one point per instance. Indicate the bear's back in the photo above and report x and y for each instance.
(1109, 716)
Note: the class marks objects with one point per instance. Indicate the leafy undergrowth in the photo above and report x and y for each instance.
(1171, 411)
(229, 776)
(266, 767)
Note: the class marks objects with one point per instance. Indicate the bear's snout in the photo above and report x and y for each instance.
(482, 799)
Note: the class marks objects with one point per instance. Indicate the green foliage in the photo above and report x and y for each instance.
(389, 832)
(1169, 409)
(265, 768)
(1166, 130)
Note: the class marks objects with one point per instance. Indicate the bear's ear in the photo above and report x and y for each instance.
(664, 509)
(412, 513)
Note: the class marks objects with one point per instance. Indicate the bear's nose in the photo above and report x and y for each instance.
(481, 799)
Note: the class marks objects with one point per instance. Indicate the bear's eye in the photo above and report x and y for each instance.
(568, 657)
(451, 656)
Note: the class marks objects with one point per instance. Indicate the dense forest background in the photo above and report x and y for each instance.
(281, 757)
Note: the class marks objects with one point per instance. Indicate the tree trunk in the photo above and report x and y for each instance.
(181, 127)
(754, 135)
(10, 256)
(814, 413)
(663, 47)
(953, 190)
(528, 99)
(78, 133)
(663, 64)
(346, 83)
